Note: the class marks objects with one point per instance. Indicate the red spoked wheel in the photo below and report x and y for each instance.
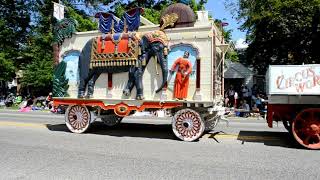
(187, 125)
(77, 118)
(306, 128)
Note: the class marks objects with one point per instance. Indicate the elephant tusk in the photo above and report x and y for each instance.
(155, 59)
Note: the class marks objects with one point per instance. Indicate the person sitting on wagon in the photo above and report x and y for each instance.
(183, 68)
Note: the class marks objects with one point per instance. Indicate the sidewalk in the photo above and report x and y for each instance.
(17, 110)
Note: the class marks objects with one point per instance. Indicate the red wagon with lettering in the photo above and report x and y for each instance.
(294, 99)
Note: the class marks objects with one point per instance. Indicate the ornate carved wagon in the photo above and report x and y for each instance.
(132, 70)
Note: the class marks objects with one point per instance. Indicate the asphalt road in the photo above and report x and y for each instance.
(37, 145)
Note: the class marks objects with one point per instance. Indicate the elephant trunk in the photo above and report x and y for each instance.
(164, 67)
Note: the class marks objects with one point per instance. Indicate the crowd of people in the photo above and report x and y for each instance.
(245, 100)
(27, 103)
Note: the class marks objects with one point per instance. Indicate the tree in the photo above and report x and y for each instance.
(227, 35)
(232, 56)
(280, 31)
(85, 22)
(38, 54)
(38, 64)
(14, 27)
(7, 67)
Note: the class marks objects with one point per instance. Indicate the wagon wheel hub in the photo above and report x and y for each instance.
(188, 124)
(313, 129)
(306, 128)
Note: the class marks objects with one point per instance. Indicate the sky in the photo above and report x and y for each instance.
(218, 11)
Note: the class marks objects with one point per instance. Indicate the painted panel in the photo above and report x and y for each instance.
(178, 52)
(294, 79)
(72, 71)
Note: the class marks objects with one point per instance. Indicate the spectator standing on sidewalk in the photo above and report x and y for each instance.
(49, 101)
(246, 94)
(230, 95)
(236, 99)
(258, 102)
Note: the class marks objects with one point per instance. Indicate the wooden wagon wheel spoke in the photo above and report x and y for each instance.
(73, 123)
(83, 124)
(301, 119)
(318, 136)
(312, 116)
(306, 140)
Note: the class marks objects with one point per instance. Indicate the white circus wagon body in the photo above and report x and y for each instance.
(199, 111)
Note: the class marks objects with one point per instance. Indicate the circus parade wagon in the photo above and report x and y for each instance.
(132, 65)
(294, 99)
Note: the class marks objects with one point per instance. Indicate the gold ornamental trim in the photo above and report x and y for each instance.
(169, 20)
(115, 58)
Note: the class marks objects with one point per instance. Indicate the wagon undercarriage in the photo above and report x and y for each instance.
(189, 119)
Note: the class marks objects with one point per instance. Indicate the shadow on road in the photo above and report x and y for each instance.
(281, 139)
(124, 130)
(268, 138)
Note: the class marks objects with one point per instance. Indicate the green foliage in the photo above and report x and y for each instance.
(281, 31)
(7, 68)
(227, 34)
(197, 6)
(85, 23)
(38, 55)
(14, 24)
(232, 56)
(152, 15)
(14, 27)
(60, 83)
(38, 59)
(38, 74)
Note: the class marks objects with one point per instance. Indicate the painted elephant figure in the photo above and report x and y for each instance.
(151, 44)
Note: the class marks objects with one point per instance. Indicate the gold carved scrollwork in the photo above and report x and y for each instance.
(115, 58)
(169, 20)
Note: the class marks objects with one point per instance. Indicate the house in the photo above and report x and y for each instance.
(237, 74)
